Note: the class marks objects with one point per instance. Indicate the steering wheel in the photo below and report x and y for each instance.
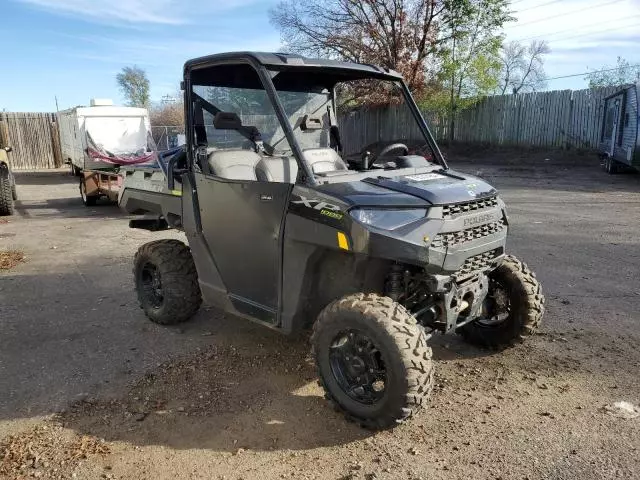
(369, 159)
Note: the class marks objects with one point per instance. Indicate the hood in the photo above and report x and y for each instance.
(438, 187)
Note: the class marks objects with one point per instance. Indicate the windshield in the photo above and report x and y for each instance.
(374, 114)
(371, 114)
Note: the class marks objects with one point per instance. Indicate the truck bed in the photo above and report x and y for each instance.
(145, 191)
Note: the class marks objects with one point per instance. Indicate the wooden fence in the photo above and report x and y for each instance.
(34, 139)
(562, 118)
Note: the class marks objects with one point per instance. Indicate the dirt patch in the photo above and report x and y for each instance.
(10, 258)
(257, 411)
(46, 451)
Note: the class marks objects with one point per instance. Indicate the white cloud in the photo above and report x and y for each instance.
(136, 12)
(160, 51)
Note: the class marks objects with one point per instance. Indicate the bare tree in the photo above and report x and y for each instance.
(523, 67)
(167, 115)
(608, 76)
(396, 34)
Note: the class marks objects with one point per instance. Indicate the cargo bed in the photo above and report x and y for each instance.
(145, 191)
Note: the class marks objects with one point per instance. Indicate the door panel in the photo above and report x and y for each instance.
(610, 126)
(241, 223)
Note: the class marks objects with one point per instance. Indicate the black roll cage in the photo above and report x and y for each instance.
(306, 175)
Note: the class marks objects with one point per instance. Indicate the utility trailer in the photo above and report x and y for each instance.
(94, 137)
(103, 143)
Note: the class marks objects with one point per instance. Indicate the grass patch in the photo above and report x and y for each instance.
(10, 258)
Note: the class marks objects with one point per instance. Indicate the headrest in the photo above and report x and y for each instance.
(227, 121)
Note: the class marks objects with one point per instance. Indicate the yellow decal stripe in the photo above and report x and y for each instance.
(342, 241)
(177, 193)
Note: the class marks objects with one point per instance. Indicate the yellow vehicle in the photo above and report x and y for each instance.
(7, 184)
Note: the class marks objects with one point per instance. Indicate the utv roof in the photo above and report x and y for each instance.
(285, 61)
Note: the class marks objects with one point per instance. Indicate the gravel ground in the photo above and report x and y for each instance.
(90, 389)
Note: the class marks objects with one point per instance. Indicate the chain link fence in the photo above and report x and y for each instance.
(168, 137)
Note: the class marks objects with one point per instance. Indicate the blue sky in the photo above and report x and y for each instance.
(73, 49)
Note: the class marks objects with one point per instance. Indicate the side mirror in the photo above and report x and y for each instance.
(8, 149)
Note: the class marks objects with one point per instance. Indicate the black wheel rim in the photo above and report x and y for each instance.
(497, 306)
(358, 367)
(151, 285)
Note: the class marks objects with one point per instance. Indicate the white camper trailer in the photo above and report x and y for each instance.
(90, 136)
(620, 137)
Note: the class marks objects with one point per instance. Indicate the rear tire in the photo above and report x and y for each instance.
(166, 282)
(394, 344)
(526, 308)
(610, 166)
(6, 192)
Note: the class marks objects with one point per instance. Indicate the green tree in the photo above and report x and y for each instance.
(134, 85)
(608, 76)
(470, 58)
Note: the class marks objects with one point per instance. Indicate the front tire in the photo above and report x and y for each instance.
(373, 360)
(166, 281)
(516, 292)
(6, 192)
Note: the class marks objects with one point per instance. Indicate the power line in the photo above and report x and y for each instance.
(573, 29)
(565, 14)
(592, 71)
(538, 6)
(622, 27)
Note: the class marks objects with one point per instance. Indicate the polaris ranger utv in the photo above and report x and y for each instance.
(370, 240)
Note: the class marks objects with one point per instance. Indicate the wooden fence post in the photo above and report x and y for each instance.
(55, 144)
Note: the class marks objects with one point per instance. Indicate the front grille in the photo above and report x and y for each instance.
(451, 239)
(455, 209)
(477, 263)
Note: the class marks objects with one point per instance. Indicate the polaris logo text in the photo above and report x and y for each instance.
(315, 204)
(478, 219)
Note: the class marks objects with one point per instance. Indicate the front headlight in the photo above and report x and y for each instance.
(387, 219)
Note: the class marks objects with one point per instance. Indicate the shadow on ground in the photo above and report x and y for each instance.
(51, 177)
(260, 397)
(71, 207)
